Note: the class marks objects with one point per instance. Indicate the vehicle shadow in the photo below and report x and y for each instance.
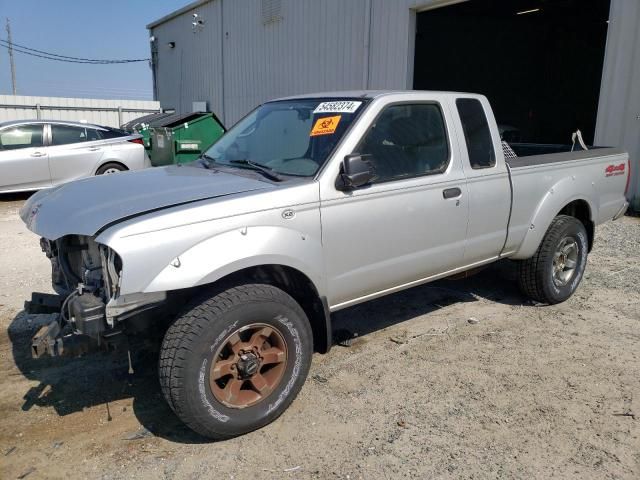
(15, 197)
(70, 385)
(497, 283)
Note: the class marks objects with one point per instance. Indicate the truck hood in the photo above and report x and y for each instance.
(86, 206)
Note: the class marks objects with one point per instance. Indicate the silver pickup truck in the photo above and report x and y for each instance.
(307, 206)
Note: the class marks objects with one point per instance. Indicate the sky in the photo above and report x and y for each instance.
(110, 29)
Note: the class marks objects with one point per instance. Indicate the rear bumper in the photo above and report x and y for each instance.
(622, 211)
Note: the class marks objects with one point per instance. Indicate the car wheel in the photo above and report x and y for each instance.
(109, 168)
(555, 270)
(235, 360)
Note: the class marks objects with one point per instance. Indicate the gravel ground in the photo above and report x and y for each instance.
(524, 391)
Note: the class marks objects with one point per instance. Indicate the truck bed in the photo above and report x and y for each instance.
(530, 154)
(585, 171)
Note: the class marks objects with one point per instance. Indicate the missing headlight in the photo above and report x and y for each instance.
(111, 271)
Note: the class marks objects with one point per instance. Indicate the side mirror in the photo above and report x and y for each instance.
(356, 171)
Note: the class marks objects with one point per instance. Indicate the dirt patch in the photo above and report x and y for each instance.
(524, 391)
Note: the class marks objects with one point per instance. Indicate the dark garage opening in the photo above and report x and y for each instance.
(538, 62)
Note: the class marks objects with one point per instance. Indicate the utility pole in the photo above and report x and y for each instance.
(13, 67)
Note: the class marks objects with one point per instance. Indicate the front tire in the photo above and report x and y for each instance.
(554, 272)
(235, 360)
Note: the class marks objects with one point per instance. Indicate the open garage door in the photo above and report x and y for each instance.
(538, 61)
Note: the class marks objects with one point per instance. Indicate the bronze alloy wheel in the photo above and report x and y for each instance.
(235, 359)
(248, 366)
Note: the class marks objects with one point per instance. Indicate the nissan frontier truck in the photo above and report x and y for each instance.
(308, 205)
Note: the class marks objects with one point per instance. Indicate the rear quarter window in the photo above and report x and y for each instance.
(92, 134)
(111, 133)
(476, 133)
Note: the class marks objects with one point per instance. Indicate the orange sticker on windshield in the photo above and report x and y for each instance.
(325, 125)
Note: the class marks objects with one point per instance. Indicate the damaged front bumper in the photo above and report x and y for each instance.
(91, 324)
(50, 342)
(85, 315)
(91, 312)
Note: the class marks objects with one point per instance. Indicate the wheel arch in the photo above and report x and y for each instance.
(302, 289)
(549, 208)
(581, 210)
(292, 281)
(106, 162)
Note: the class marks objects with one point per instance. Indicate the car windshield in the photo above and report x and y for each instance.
(289, 137)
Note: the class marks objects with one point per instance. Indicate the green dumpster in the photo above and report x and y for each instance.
(141, 125)
(181, 138)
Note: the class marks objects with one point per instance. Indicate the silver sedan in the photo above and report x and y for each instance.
(36, 154)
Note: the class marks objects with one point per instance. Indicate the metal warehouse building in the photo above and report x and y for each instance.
(548, 67)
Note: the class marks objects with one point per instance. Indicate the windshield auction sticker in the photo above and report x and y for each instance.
(325, 126)
(346, 106)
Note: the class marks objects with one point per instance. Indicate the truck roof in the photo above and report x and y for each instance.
(369, 94)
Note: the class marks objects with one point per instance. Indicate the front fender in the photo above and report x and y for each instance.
(242, 248)
(557, 197)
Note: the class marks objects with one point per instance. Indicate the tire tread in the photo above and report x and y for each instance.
(531, 274)
(198, 316)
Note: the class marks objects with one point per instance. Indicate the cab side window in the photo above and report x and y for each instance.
(92, 135)
(476, 133)
(106, 134)
(407, 140)
(21, 136)
(65, 134)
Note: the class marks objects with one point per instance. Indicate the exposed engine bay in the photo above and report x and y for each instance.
(86, 277)
(78, 259)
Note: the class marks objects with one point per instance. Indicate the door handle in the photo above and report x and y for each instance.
(451, 192)
(93, 149)
(38, 154)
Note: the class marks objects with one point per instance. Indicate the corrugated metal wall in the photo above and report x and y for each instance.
(392, 39)
(316, 46)
(191, 70)
(101, 112)
(619, 108)
(236, 61)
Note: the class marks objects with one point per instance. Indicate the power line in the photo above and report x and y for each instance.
(53, 58)
(64, 58)
(89, 60)
(110, 62)
(78, 58)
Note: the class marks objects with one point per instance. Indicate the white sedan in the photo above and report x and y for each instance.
(36, 154)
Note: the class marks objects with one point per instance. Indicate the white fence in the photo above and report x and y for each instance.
(111, 113)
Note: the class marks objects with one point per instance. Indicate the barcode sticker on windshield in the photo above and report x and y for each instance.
(345, 106)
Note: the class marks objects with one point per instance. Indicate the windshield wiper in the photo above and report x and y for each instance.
(258, 167)
(208, 160)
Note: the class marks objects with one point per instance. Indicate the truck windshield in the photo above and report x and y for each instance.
(289, 137)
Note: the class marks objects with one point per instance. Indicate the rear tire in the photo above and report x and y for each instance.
(109, 168)
(554, 272)
(235, 360)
